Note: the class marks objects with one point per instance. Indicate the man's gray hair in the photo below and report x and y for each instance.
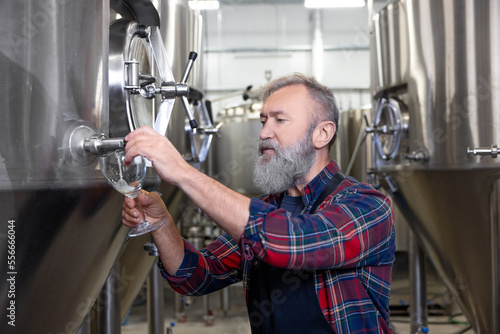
(322, 95)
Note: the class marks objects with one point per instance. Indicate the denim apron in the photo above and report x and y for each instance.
(284, 301)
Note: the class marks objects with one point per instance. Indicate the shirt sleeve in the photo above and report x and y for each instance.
(352, 228)
(207, 270)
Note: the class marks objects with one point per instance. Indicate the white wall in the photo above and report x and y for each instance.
(242, 42)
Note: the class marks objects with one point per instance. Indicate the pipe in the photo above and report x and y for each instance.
(318, 52)
(109, 306)
(225, 300)
(495, 256)
(155, 307)
(305, 48)
(418, 292)
(85, 326)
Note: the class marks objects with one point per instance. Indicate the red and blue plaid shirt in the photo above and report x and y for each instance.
(348, 242)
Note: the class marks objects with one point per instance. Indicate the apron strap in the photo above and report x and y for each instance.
(330, 187)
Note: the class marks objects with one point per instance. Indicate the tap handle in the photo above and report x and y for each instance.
(189, 113)
(169, 89)
(189, 66)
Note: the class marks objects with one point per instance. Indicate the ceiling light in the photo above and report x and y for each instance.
(333, 3)
(204, 4)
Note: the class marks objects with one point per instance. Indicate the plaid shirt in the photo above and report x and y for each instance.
(348, 242)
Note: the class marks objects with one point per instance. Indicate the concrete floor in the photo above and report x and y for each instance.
(444, 317)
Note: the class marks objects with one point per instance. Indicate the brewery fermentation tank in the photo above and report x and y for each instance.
(236, 153)
(65, 218)
(61, 233)
(436, 88)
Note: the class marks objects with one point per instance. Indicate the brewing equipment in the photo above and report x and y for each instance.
(54, 62)
(61, 107)
(436, 88)
(180, 32)
(234, 157)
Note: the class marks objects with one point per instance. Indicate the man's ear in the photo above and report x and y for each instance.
(323, 134)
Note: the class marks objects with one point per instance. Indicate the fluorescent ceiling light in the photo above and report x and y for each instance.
(333, 3)
(204, 4)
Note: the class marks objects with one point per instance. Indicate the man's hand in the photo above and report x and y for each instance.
(167, 161)
(167, 238)
(228, 209)
(154, 209)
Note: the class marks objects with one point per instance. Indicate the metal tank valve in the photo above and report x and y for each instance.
(85, 144)
(493, 151)
(419, 155)
(100, 144)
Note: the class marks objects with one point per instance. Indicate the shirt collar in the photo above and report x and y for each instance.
(312, 191)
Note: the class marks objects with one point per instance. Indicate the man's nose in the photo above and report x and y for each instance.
(266, 131)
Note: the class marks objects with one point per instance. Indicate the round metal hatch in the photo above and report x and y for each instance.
(128, 111)
(388, 127)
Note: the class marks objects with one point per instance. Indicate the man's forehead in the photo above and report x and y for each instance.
(272, 113)
(287, 100)
(291, 90)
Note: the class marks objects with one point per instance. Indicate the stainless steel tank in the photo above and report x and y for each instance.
(352, 148)
(390, 52)
(235, 152)
(423, 123)
(61, 230)
(353, 153)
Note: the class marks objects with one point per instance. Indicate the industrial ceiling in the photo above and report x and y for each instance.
(277, 2)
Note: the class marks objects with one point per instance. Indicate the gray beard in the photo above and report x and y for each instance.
(286, 168)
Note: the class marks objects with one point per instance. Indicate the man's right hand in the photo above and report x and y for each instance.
(167, 238)
(154, 209)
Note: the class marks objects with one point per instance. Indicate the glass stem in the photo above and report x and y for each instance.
(138, 206)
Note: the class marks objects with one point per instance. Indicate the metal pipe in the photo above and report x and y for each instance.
(155, 307)
(418, 323)
(225, 300)
(85, 326)
(495, 256)
(109, 306)
(305, 48)
(318, 51)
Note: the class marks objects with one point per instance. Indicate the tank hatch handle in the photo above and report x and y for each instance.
(482, 151)
(169, 89)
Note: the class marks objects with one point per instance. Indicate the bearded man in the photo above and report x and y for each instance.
(315, 255)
